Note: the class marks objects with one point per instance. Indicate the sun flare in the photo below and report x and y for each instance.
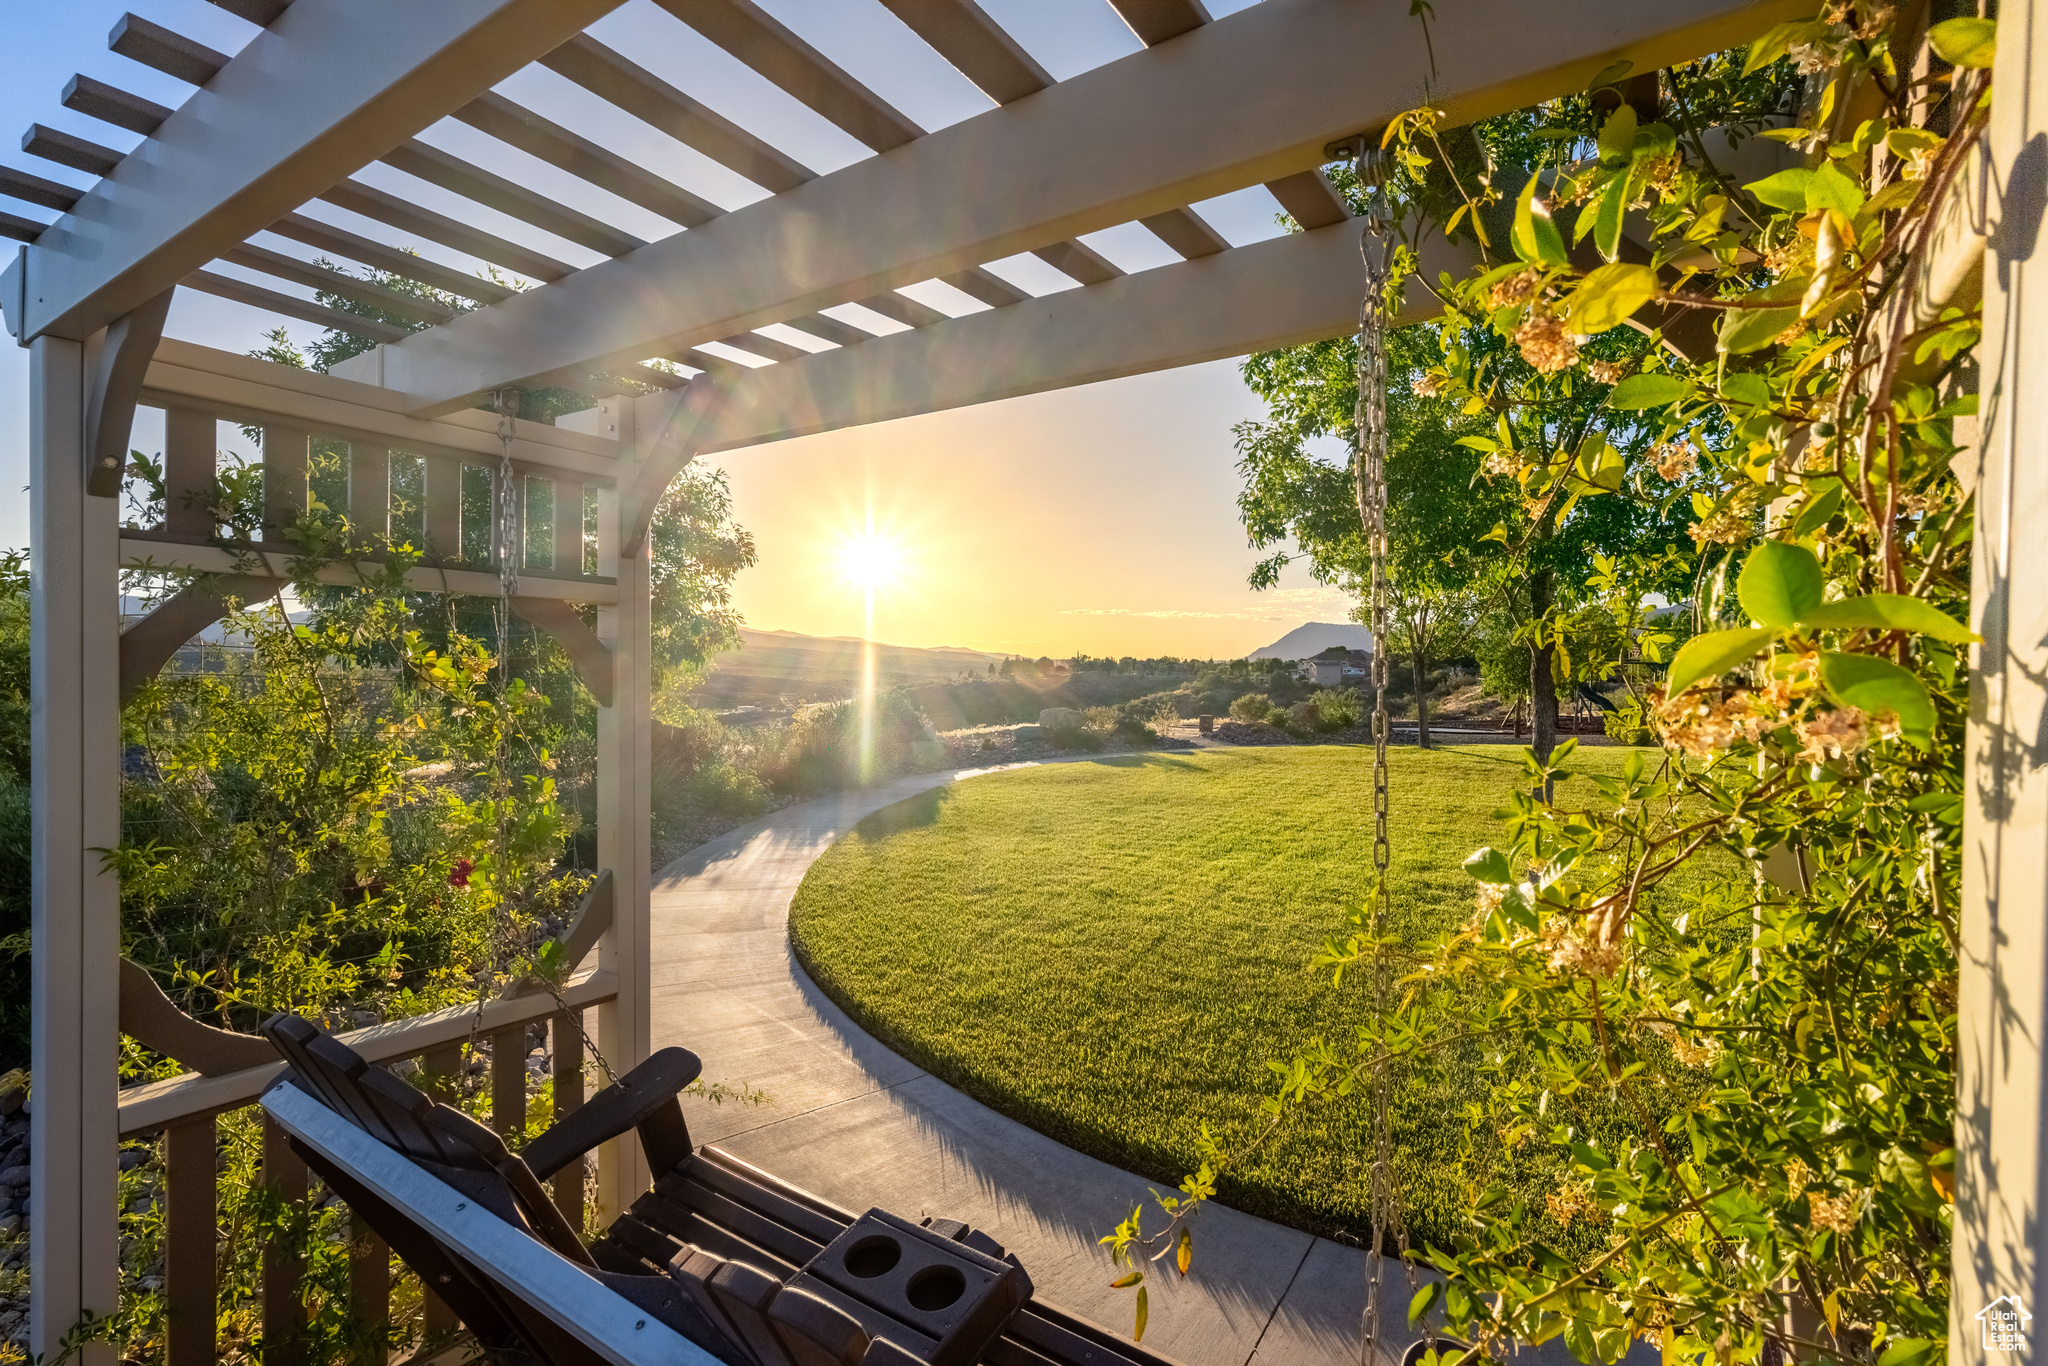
(871, 561)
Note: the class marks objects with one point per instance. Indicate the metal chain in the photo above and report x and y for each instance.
(507, 538)
(1376, 245)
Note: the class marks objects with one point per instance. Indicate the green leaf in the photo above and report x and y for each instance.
(1489, 865)
(1777, 41)
(1780, 584)
(1609, 295)
(1888, 612)
(1713, 654)
(1423, 1302)
(1744, 330)
(1536, 237)
(1600, 464)
(1610, 74)
(1618, 138)
(1592, 1159)
(1830, 189)
(1968, 41)
(1747, 388)
(1607, 221)
(1786, 190)
(1876, 686)
(1646, 391)
(1906, 141)
(1818, 509)
(1144, 1312)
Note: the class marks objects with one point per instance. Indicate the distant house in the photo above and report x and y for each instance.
(1336, 666)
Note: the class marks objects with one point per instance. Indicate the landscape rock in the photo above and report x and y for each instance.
(14, 1178)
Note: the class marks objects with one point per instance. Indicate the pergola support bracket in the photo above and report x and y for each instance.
(117, 360)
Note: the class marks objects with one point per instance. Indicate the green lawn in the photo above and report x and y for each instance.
(1110, 952)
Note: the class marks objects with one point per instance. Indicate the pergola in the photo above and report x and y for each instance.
(329, 86)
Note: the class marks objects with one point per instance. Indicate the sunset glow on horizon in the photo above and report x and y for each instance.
(1101, 519)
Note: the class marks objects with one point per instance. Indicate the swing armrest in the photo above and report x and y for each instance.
(643, 1099)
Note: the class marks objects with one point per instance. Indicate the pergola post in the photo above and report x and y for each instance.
(624, 734)
(74, 673)
(2002, 991)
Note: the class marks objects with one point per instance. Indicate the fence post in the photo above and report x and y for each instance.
(191, 1251)
(565, 1038)
(284, 1267)
(441, 1069)
(369, 1285)
(508, 1080)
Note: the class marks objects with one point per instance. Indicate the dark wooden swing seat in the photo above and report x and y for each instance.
(718, 1261)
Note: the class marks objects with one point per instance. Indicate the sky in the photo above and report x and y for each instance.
(1099, 519)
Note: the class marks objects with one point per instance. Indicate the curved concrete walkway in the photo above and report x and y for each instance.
(859, 1125)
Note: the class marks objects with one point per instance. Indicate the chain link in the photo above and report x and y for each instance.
(1376, 245)
(507, 538)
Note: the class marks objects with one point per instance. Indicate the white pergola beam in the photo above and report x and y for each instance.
(328, 88)
(1251, 98)
(1302, 287)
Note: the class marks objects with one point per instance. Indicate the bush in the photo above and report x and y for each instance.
(1102, 720)
(1338, 708)
(1253, 706)
(702, 768)
(823, 748)
(1303, 718)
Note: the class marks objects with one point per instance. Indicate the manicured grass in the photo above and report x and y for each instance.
(1111, 951)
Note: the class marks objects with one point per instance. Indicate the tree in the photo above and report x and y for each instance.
(1433, 620)
(1459, 498)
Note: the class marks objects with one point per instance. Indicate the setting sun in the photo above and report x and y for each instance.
(871, 561)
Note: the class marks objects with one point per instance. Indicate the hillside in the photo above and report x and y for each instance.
(771, 666)
(1314, 636)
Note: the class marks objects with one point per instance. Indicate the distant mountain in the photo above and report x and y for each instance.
(1313, 637)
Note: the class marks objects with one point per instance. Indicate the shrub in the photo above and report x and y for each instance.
(1338, 708)
(824, 749)
(1304, 718)
(699, 770)
(1253, 706)
(1102, 719)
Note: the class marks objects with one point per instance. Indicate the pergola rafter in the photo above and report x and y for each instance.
(275, 138)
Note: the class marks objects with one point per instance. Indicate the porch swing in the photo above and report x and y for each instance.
(720, 1261)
